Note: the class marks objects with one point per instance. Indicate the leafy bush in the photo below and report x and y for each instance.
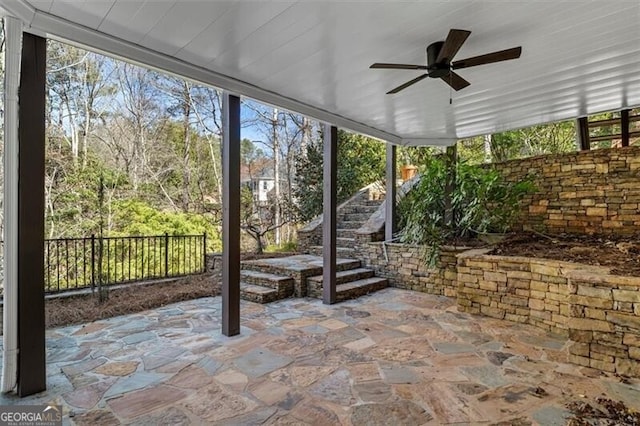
(288, 247)
(132, 217)
(481, 201)
(361, 161)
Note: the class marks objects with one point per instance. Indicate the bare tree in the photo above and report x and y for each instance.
(79, 83)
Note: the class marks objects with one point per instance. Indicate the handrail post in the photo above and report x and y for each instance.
(93, 261)
(204, 252)
(166, 254)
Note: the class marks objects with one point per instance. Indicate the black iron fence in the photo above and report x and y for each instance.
(75, 263)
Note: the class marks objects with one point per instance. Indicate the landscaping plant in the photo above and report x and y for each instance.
(481, 202)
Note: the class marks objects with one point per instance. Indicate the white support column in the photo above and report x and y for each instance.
(13, 53)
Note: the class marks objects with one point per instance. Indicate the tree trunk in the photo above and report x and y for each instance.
(487, 148)
(186, 171)
(276, 174)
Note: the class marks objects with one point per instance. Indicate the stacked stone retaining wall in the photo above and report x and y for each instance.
(404, 266)
(587, 192)
(599, 312)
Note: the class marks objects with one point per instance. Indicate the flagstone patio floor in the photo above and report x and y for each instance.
(394, 357)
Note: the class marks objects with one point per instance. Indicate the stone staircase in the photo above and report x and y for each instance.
(264, 287)
(350, 218)
(267, 280)
(350, 284)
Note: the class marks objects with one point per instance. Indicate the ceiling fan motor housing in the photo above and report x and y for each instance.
(436, 70)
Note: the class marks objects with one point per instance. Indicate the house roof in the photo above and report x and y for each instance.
(313, 57)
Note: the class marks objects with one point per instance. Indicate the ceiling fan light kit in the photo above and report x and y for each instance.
(439, 61)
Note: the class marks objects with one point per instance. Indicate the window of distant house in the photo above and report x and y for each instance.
(264, 185)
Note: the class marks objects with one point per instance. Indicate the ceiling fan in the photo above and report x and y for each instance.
(439, 65)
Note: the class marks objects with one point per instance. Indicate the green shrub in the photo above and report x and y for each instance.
(481, 201)
(287, 247)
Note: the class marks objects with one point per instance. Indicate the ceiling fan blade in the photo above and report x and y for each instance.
(489, 58)
(407, 84)
(455, 81)
(452, 44)
(398, 66)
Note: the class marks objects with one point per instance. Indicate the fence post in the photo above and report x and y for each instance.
(93, 261)
(204, 252)
(166, 254)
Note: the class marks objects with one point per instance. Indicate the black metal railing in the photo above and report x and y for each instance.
(76, 263)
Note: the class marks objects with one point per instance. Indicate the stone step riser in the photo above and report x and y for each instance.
(283, 291)
(250, 296)
(358, 209)
(354, 217)
(283, 286)
(350, 290)
(361, 291)
(349, 224)
(342, 278)
(345, 242)
(346, 233)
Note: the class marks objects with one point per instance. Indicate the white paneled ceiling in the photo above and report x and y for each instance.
(578, 58)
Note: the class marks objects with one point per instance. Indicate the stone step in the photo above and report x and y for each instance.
(340, 251)
(354, 289)
(373, 202)
(356, 217)
(344, 276)
(346, 233)
(349, 224)
(345, 242)
(281, 283)
(348, 289)
(257, 294)
(358, 208)
(307, 268)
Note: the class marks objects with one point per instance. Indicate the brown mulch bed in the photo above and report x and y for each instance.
(86, 308)
(64, 311)
(620, 253)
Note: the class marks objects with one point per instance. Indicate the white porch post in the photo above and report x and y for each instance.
(13, 53)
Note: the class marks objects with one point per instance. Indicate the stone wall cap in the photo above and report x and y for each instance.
(456, 248)
(601, 275)
(576, 271)
(480, 252)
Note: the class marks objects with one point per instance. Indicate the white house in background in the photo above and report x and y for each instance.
(261, 185)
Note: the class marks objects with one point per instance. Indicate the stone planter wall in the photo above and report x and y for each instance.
(405, 267)
(604, 322)
(517, 289)
(583, 192)
(599, 312)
